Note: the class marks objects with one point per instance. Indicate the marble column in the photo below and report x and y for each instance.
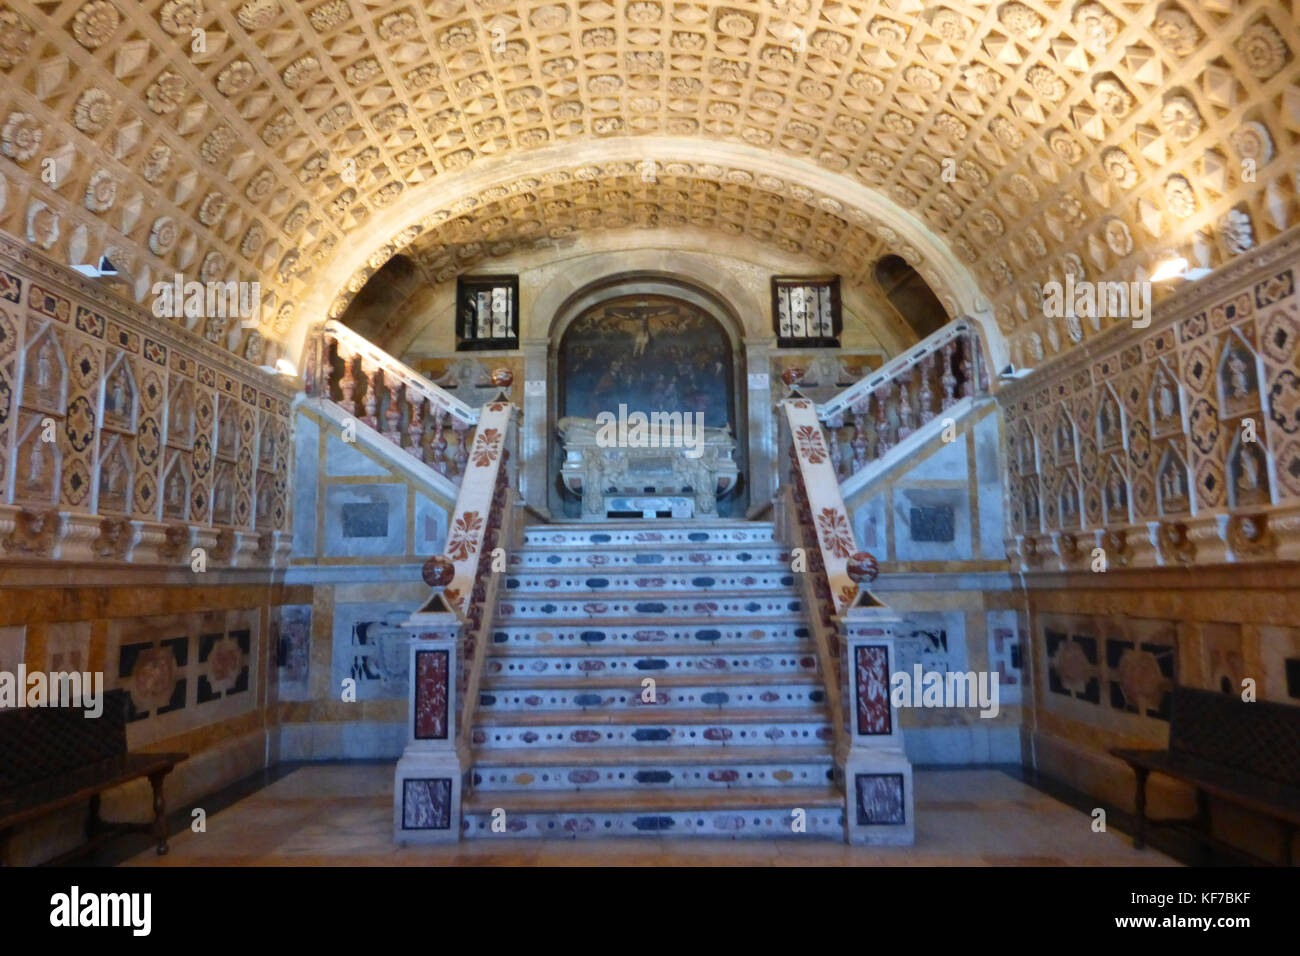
(879, 804)
(427, 785)
(533, 435)
(761, 422)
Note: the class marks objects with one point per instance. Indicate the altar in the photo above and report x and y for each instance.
(654, 475)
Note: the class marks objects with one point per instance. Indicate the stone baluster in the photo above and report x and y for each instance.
(438, 448)
(370, 376)
(964, 383)
(325, 369)
(883, 444)
(462, 444)
(347, 385)
(925, 398)
(415, 426)
(393, 413)
(833, 426)
(859, 443)
(947, 379)
(905, 416)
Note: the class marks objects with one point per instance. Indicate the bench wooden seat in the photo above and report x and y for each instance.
(1243, 753)
(51, 758)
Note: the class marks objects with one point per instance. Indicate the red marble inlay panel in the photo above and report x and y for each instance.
(431, 695)
(873, 689)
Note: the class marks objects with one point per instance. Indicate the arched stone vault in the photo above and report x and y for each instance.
(454, 223)
(1029, 137)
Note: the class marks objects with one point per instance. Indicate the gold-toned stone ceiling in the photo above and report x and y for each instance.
(1033, 137)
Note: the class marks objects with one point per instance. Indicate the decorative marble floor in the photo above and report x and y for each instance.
(341, 815)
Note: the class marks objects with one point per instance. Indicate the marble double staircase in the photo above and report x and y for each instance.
(651, 680)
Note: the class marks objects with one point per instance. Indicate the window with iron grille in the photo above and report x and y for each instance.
(487, 313)
(806, 312)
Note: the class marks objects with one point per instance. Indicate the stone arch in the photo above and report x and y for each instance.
(952, 280)
(695, 292)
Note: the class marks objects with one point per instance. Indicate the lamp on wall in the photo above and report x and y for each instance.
(1176, 267)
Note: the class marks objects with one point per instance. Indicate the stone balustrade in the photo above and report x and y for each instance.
(874, 415)
(390, 398)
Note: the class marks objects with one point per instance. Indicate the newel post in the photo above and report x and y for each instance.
(879, 802)
(428, 787)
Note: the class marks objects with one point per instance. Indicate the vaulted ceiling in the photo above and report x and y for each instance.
(302, 144)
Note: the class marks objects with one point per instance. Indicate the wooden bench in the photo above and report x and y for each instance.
(55, 757)
(1243, 753)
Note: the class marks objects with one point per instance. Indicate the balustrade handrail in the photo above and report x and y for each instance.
(395, 371)
(817, 521)
(479, 522)
(896, 367)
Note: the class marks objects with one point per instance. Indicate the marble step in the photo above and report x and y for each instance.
(638, 581)
(728, 813)
(666, 767)
(805, 696)
(651, 608)
(613, 536)
(637, 663)
(650, 557)
(700, 634)
(620, 682)
(691, 728)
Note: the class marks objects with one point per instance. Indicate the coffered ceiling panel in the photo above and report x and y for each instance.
(265, 139)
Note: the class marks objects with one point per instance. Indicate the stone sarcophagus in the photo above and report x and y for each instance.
(664, 464)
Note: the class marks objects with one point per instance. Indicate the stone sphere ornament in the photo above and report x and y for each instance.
(862, 568)
(438, 571)
(502, 377)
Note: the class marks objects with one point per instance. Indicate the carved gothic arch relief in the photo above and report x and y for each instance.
(1174, 492)
(121, 396)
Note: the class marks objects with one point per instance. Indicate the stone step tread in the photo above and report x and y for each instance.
(624, 572)
(649, 717)
(640, 547)
(632, 682)
(818, 751)
(559, 801)
(644, 621)
(799, 646)
(514, 595)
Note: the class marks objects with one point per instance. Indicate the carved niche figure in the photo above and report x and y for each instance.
(113, 486)
(45, 366)
(1109, 423)
(1116, 493)
(1237, 376)
(1250, 476)
(174, 494)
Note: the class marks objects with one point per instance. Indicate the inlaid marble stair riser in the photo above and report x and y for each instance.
(640, 581)
(807, 695)
(766, 824)
(551, 537)
(738, 735)
(652, 608)
(697, 635)
(583, 667)
(651, 556)
(721, 774)
(513, 731)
